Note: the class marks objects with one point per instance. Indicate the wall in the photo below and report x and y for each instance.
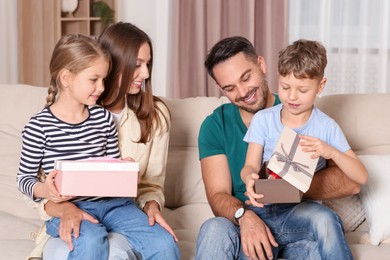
(153, 17)
(8, 43)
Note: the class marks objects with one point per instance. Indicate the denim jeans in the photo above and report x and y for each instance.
(118, 248)
(122, 216)
(307, 230)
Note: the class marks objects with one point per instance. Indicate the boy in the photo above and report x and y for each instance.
(301, 68)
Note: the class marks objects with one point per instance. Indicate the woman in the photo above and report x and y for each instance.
(143, 125)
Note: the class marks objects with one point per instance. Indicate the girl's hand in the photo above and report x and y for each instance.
(250, 191)
(50, 191)
(318, 147)
(152, 210)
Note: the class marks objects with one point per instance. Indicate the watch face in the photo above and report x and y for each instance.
(239, 213)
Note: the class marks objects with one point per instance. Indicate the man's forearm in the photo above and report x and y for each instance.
(330, 183)
(224, 205)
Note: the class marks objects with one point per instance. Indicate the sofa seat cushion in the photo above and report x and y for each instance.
(16, 239)
(186, 222)
(13, 227)
(365, 252)
(15, 248)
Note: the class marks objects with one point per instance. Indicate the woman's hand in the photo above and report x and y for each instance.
(70, 220)
(152, 210)
(129, 159)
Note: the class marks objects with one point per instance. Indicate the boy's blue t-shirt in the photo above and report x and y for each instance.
(223, 132)
(266, 127)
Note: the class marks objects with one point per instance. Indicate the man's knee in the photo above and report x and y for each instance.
(217, 225)
(218, 238)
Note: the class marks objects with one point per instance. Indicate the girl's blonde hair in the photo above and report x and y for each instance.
(74, 52)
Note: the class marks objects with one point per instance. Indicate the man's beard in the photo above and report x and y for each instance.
(263, 91)
(250, 110)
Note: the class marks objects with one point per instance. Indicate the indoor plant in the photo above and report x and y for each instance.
(103, 10)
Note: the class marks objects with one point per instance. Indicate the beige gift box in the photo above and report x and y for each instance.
(295, 167)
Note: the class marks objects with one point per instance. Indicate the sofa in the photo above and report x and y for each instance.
(364, 119)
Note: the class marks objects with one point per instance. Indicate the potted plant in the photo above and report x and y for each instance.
(103, 10)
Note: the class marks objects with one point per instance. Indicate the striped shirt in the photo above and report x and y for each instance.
(47, 139)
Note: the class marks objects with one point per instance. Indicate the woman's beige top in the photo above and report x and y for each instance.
(151, 156)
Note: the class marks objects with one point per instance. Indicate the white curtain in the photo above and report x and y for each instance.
(8, 42)
(356, 34)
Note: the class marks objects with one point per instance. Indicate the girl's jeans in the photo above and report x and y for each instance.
(307, 230)
(119, 215)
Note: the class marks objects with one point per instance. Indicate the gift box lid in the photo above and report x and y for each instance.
(96, 164)
(290, 162)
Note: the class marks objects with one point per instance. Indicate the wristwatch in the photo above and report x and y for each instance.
(239, 213)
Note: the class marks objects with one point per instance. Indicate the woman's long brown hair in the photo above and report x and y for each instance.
(123, 41)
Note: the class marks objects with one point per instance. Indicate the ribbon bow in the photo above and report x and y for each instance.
(288, 160)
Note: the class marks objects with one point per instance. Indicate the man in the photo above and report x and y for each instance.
(237, 232)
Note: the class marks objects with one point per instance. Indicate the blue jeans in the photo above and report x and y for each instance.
(122, 216)
(306, 230)
(118, 248)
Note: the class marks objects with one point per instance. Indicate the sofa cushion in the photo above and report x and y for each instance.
(375, 196)
(183, 177)
(360, 116)
(350, 210)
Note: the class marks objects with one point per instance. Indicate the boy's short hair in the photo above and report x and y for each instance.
(303, 58)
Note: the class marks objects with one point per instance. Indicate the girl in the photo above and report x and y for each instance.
(72, 127)
(143, 124)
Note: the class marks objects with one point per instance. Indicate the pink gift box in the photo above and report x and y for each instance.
(102, 177)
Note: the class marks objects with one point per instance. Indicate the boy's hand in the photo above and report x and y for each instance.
(318, 147)
(250, 192)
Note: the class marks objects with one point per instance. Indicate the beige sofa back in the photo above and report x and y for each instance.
(18, 104)
(364, 118)
(184, 180)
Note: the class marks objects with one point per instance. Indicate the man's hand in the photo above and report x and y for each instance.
(256, 238)
(71, 218)
(152, 210)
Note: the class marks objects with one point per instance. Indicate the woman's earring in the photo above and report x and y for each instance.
(143, 86)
